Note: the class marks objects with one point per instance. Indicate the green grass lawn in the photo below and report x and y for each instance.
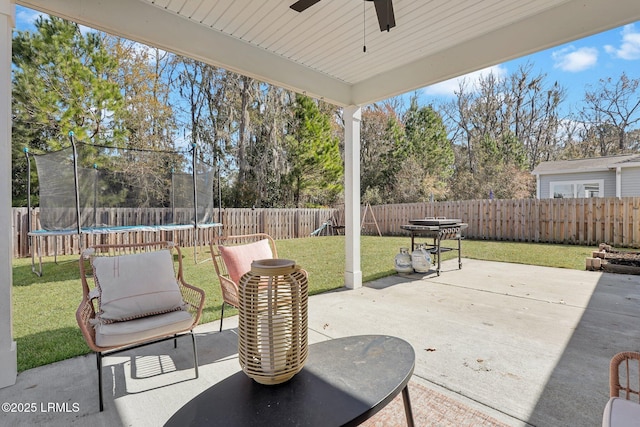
(46, 331)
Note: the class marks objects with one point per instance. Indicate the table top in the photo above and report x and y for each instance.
(344, 382)
(415, 227)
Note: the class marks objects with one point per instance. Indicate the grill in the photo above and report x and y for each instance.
(437, 229)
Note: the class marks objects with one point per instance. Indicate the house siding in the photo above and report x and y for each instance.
(609, 178)
(630, 182)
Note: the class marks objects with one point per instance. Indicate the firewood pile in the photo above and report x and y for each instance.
(611, 260)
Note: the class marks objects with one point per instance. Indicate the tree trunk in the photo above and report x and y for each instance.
(243, 128)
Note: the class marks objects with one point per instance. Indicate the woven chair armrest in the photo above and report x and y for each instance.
(614, 374)
(84, 315)
(194, 297)
(229, 291)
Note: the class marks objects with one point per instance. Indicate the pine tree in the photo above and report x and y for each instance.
(314, 155)
(62, 81)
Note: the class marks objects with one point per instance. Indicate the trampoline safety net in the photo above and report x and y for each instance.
(123, 187)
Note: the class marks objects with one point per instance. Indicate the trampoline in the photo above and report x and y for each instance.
(88, 191)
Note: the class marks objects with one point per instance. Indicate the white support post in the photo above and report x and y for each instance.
(618, 182)
(8, 354)
(352, 273)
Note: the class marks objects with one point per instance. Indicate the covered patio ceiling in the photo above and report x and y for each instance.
(320, 51)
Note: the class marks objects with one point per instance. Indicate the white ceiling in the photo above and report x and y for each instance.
(320, 51)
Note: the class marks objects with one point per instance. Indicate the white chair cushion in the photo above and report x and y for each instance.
(123, 333)
(136, 285)
(620, 412)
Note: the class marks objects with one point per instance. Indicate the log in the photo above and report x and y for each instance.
(620, 269)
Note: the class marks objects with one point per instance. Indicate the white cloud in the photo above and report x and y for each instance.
(575, 60)
(629, 48)
(449, 87)
(569, 129)
(27, 16)
(150, 54)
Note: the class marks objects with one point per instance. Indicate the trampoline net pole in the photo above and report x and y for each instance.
(26, 153)
(95, 195)
(75, 181)
(195, 204)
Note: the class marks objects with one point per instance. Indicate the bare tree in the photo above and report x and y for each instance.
(456, 115)
(379, 134)
(502, 125)
(533, 113)
(612, 104)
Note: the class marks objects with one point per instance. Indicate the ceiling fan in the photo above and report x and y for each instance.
(384, 10)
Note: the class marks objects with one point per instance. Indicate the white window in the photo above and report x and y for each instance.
(576, 189)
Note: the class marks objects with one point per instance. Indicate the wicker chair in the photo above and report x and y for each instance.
(232, 257)
(132, 296)
(624, 377)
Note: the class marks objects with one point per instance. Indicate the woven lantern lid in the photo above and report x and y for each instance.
(273, 267)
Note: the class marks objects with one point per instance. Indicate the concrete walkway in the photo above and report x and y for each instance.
(526, 345)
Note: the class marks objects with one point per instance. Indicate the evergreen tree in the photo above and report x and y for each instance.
(426, 158)
(62, 81)
(316, 170)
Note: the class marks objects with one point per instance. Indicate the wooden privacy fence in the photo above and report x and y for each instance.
(279, 223)
(568, 221)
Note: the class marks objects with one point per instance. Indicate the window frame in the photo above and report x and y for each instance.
(574, 184)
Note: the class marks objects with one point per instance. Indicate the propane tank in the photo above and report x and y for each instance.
(403, 261)
(421, 259)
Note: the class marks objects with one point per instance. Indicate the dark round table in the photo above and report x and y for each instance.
(344, 382)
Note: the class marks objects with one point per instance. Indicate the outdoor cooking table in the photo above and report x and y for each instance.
(438, 231)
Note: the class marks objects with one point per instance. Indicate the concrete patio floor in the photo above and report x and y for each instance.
(525, 345)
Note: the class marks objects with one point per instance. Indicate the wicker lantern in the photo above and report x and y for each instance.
(272, 328)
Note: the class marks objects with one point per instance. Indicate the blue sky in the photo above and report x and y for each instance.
(575, 66)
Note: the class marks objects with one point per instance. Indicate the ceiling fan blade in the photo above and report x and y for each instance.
(301, 5)
(384, 10)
